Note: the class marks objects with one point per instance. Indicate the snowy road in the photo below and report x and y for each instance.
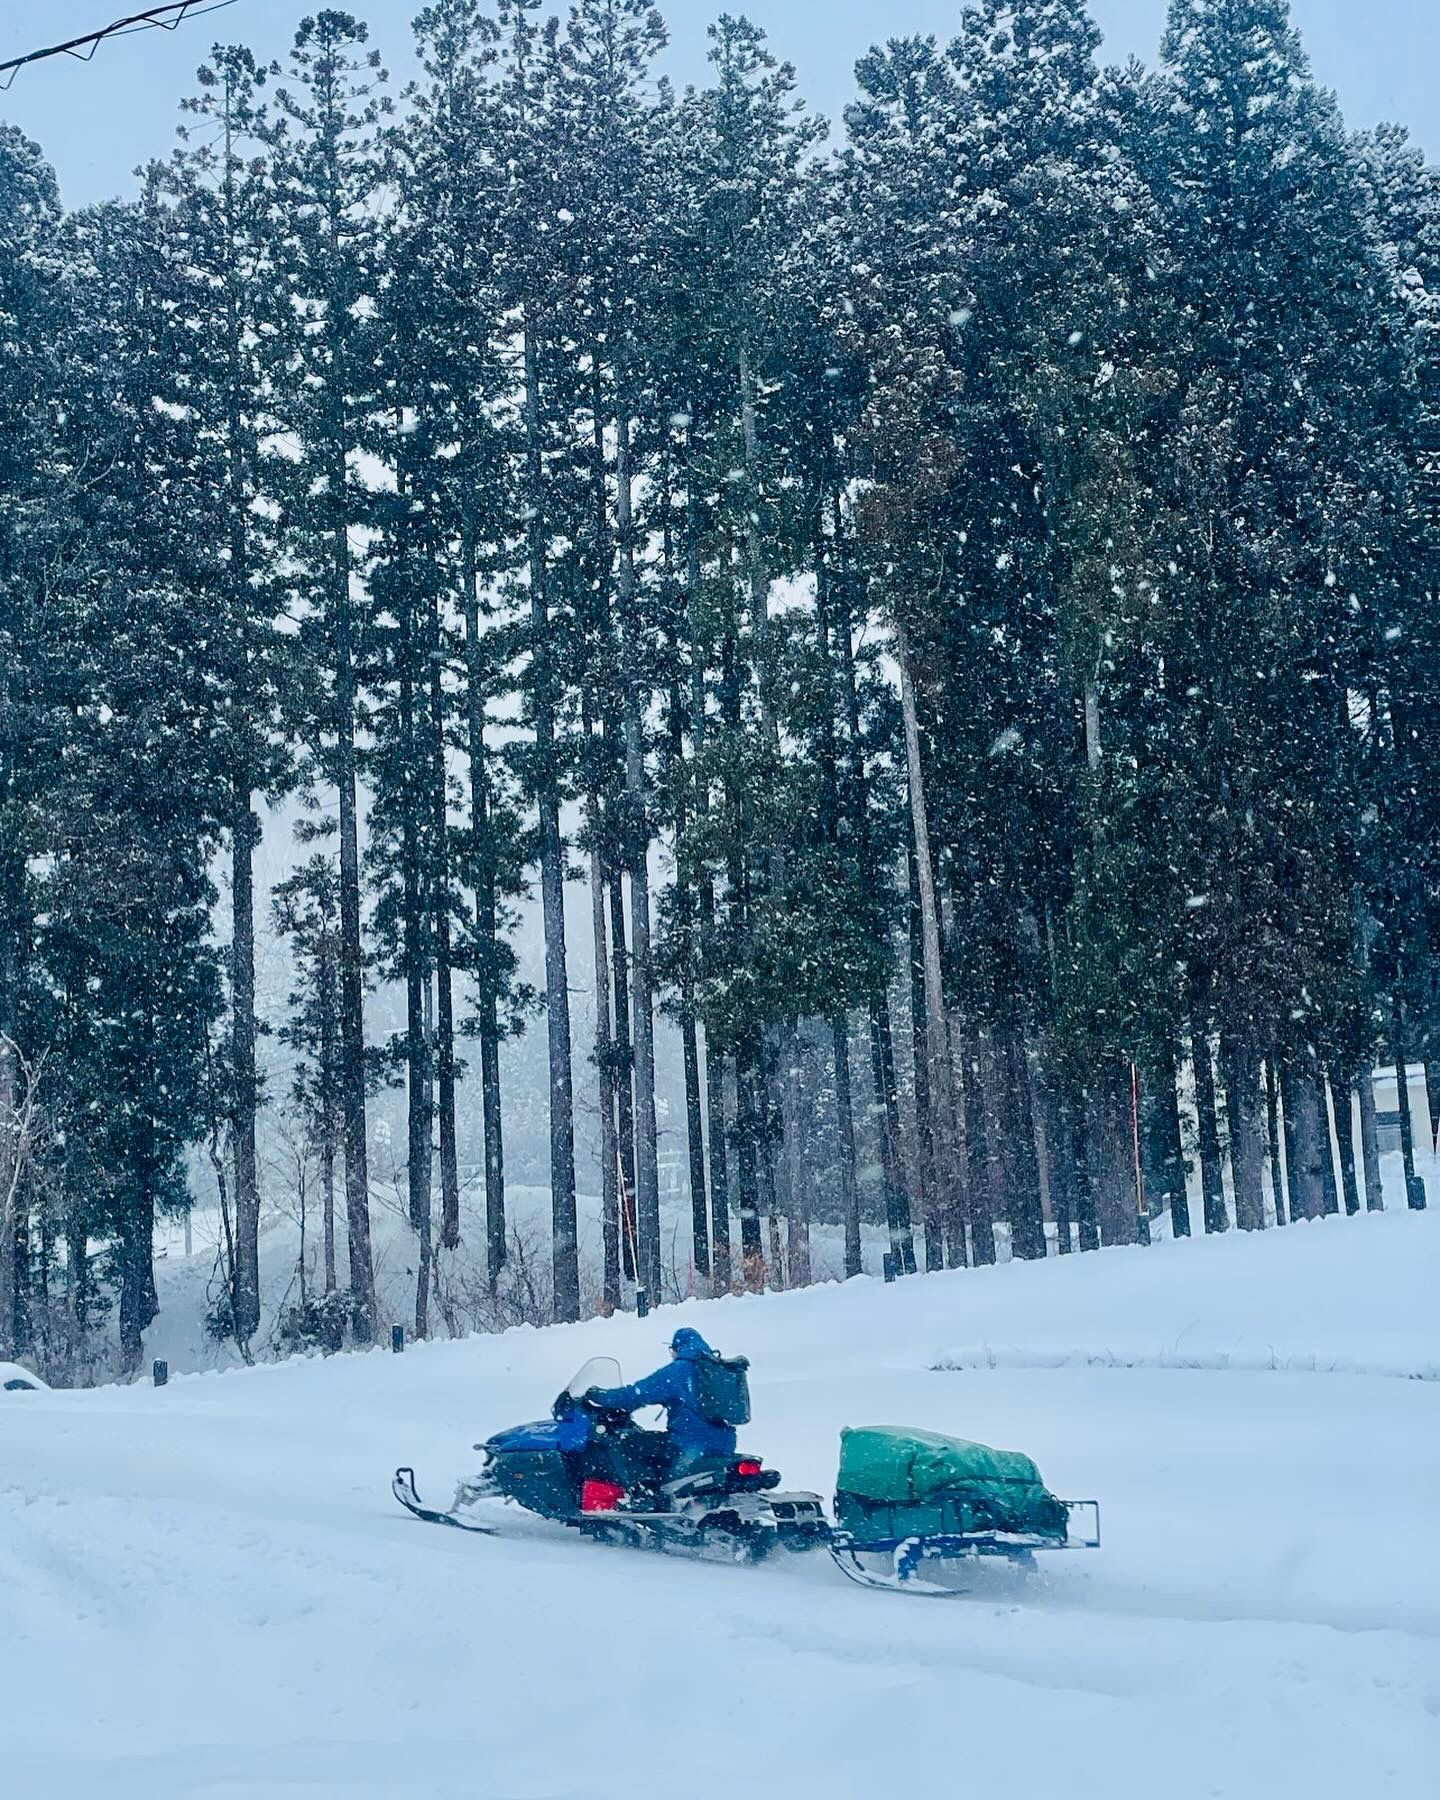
(207, 1591)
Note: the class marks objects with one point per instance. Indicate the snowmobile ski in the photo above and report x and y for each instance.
(404, 1490)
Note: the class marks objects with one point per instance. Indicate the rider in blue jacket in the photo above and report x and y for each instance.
(695, 1438)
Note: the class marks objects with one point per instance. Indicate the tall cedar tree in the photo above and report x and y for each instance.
(328, 193)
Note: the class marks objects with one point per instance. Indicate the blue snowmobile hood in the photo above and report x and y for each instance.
(570, 1433)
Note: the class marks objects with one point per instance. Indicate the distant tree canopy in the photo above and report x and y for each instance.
(966, 597)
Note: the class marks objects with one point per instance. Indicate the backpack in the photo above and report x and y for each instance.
(722, 1390)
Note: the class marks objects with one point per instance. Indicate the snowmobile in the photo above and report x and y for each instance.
(910, 1505)
(595, 1470)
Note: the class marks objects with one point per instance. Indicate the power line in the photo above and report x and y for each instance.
(154, 18)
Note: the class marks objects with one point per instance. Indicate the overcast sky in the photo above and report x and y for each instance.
(96, 121)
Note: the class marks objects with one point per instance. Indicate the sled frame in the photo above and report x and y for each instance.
(908, 1555)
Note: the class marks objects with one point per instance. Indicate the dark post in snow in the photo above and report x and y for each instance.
(891, 1269)
(397, 1338)
(160, 1372)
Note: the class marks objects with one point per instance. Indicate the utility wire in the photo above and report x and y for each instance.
(84, 47)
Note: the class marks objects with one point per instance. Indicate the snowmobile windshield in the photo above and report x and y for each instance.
(600, 1371)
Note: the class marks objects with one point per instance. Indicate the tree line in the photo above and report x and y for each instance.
(962, 591)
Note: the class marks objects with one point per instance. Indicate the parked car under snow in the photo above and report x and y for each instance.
(15, 1380)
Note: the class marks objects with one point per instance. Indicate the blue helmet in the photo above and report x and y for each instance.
(689, 1345)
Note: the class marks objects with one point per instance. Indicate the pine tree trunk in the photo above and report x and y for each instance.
(1425, 1047)
(1027, 1219)
(485, 880)
(1327, 1159)
(723, 1273)
(684, 929)
(845, 1124)
(624, 1078)
(695, 1147)
(798, 1244)
(243, 835)
(15, 927)
(752, 1251)
(637, 844)
(931, 1210)
(77, 1290)
(1040, 1136)
(327, 1192)
(887, 1107)
(1212, 1168)
(753, 1061)
(1311, 1139)
(833, 596)
(904, 1216)
(1054, 1146)
(971, 1110)
(605, 1075)
(245, 827)
(10, 1152)
(1272, 1132)
(425, 1229)
(1432, 1098)
(1243, 1103)
(445, 1085)
(444, 1051)
(332, 1126)
(955, 1196)
(1111, 1142)
(564, 1240)
(889, 1174)
(775, 1269)
(1370, 1141)
(1086, 1217)
(714, 1095)
(1168, 1147)
(417, 979)
(352, 966)
(417, 1060)
(138, 1305)
(1288, 1104)
(1340, 1094)
(988, 1171)
(977, 1215)
(1414, 1190)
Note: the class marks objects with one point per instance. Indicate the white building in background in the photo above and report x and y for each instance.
(1387, 1108)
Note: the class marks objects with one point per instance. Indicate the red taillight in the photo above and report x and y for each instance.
(748, 1466)
(600, 1496)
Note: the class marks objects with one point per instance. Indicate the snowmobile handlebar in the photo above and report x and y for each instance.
(567, 1402)
(591, 1404)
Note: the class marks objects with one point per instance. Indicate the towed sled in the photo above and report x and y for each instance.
(905, 1500)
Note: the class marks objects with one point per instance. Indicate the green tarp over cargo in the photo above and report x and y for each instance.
(896, 1482)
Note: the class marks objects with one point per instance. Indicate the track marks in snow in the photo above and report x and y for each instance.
(311, 1768)
(1245, 1362)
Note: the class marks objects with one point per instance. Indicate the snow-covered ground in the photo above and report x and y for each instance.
(206, 1590)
